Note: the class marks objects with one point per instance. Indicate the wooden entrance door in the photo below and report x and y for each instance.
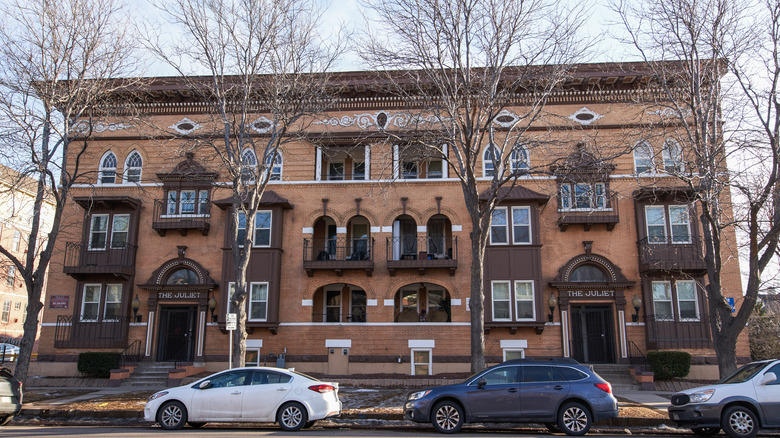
(176, 339)
(592, 333)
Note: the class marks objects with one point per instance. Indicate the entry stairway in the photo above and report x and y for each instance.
(150, 374)
(618, 376)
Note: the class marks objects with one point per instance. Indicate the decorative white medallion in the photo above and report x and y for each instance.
(263, 125)
(506, 118)
(83, 126)
(185, 126)
(380, 120)
(584, 116)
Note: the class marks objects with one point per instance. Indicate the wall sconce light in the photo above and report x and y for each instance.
(551, 303)
(136, 306)
(212, 307)
(637, 303)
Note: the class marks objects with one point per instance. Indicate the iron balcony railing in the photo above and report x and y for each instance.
(337, 317)
(680, 253)
(666, 331)
(79, 259)
(422, 248)
(603, 211)
(73, 332)
(338, 249)
(166, 217)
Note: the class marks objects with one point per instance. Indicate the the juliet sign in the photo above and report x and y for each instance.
(178, 295)
(591, 294)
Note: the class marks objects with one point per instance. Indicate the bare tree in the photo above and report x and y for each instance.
(55, 61)
(720, 94)
(264, 71)
(464, 62)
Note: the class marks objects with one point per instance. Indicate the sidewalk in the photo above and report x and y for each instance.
(363, 407)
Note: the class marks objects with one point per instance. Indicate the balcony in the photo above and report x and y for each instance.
(79, 261)
(664, 331)
(422, 253)
(182, 222)
(338, 254)
(587, 215)
(71, 332)
(678, 255)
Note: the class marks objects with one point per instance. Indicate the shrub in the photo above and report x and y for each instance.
(97, 364)
(669, 364)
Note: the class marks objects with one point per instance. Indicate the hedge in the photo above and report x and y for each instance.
(97, 364)
(666, 365)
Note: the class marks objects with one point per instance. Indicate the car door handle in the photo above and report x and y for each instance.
(282, 389)
(236, 393)
(512, 390)
(558, 387)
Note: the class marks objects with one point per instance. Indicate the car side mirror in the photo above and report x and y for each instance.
(769, 378)
(206, 384)
(481, 383)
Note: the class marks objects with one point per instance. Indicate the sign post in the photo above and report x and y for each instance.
(231, 323)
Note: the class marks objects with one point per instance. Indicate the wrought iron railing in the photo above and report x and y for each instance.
(78, 258)
(680, 253)
(131, 353)
(338, 249)
(422, 248)
(335, 317)
(668, 332)
(75, 332)
(635, 355)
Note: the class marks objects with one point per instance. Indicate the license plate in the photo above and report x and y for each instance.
(5, 399)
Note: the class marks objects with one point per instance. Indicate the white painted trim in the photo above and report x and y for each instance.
(376, 229)
(308, 230)
(54, 324)
(387, 229)
(338, 343)
(457, 228)
(149, 330)
(514, 343)
(422, 343)
(422, 229)
(341, 230)
(371, 302)
(623, 343)
(367, 161)
(201, 332)
(254, 343)
(318, 164)
(135, 324)
(635, 324)
(565, 332)
(389, 303)
(376, 324)
(307, 303)
(456, 302)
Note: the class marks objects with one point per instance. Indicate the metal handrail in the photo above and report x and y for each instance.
(421, 248)
(338, 248)
(635, 355)
(131, 353)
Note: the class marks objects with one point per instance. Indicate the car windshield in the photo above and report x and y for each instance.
(744, 374)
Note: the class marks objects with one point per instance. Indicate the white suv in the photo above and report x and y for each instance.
(740, 404)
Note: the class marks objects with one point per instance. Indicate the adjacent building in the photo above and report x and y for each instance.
(361, 255)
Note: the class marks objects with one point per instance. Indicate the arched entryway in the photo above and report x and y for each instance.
(591, 303)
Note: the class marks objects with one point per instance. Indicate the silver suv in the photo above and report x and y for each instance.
(740, 404)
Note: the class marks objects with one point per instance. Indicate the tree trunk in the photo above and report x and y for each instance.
(34, 307)
(477, 304)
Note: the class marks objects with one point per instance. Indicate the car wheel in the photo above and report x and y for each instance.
(292, 417)
(172, 415)
(739, 422)
(574, 419)
(552, 427)
(705, 431)
(196, 424)
(447, 417)
(6, 420)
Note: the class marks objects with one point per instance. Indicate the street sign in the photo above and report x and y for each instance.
(231, 321)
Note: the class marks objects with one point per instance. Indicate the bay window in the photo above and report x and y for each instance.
(97, 296)
(498, 227)
(682, 292)
(679, 223)
(583, 196)
(262, 237)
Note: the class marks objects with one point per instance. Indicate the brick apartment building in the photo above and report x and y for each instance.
(361, 255)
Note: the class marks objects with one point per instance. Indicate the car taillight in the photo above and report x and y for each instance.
(322, 389)
(606, 387)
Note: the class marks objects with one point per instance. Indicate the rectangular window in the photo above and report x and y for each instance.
(600, 190)
(656, 224)
(686, 300)
(335, 171)
(521, 225)
(119, 230)
(18, 305)
(582, 196)
(358, 306)
(565, 196)
(409, 170)
(11, 276)
(258, 302)
(187, 202)
(6, 316)
(662, 301)
(510, 354)
(172, 202)
(524, 301)
(17, 241)
(680, 224)
(90, 302)
(98, 231)
(501, 301)
(359, 170)
(434, 170)
(333, 306)
(241, 229)
(252, 357)
(409, 301)
(421, 363)
(203, 202)
(262, 228)
(113, 306)
(498, 227)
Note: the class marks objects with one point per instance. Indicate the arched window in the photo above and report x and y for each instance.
(643, 157)
(133, 165)
(587, 273)
(519, 159)
(107, 173)
(491, 160)
(248, 166)
(183, 276)
(275, 174)
(672, 156)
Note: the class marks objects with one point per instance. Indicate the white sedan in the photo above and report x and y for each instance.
(254, 395)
